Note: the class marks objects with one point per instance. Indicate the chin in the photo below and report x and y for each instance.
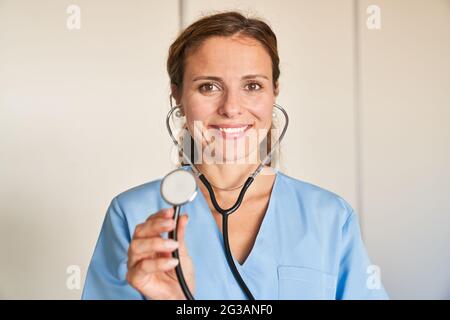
(233, 158)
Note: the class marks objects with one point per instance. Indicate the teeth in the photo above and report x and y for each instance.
(233, 130)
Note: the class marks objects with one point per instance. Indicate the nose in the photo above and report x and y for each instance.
(230, 106)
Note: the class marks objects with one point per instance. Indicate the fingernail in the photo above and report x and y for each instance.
(172, 262)
(170, 244)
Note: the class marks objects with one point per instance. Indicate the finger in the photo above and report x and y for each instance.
(148, 266)
(163, 213)
(154, 227)
(182, 223)
(164, 254)
(146, 248)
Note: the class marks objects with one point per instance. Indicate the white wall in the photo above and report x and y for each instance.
(81, 115)
(80, 119)
(405, 145)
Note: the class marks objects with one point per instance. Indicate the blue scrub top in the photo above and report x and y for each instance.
(309, 246)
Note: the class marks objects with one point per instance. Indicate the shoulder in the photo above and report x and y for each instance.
(317, 202)
(147, 190)
(137, 203)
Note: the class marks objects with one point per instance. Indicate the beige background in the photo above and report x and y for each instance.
(82, 111)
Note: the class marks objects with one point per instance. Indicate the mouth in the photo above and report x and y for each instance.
(232, 131)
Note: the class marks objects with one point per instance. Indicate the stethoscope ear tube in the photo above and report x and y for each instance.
(236, 206)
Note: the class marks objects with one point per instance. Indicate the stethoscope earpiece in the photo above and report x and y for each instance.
(179, 114)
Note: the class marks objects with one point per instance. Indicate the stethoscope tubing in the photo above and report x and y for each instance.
(175, 254)
(224, 212)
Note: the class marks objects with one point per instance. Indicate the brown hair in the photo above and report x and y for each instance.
(225, 24)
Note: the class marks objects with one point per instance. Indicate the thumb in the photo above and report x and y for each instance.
(183, 220)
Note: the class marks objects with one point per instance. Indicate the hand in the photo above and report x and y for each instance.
(151, 268)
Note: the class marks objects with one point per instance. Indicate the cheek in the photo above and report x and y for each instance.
(198, 109)
(262, 112)
(196, 116)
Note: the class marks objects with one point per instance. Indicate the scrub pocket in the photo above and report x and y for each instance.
(301, 283)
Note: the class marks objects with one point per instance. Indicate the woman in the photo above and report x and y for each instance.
(289, 239)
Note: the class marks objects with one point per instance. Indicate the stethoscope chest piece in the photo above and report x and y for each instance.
(179, 187)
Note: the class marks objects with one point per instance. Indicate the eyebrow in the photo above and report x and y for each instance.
(248, 76)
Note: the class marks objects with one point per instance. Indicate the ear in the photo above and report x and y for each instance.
(276, 90)
(175, 93)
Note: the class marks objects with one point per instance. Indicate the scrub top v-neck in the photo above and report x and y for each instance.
(308, 246)
(258, 250)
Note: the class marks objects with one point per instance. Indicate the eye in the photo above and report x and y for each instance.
(207, 87)
(252, 86)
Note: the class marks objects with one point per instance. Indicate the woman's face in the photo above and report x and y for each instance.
(228, 97)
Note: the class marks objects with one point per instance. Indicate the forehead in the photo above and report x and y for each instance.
(229, 54)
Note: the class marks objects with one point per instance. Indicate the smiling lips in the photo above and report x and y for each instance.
(232, 131)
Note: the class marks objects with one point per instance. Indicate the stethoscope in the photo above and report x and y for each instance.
(180, 187)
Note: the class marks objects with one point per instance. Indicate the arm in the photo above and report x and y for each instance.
(106, 276)
(356, 279)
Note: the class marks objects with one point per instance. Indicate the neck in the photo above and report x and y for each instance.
(230, 176)
(227, 176)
